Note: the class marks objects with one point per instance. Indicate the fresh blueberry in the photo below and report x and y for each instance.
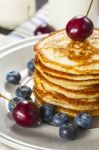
(30, 65)
(68, 131)
(83, 120)
(13, 77)
(10, 106)
(30, 73)
(60, 119)
(23, 92)
(16, 99)
(47, 112)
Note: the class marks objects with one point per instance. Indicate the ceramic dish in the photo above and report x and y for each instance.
(44, 137)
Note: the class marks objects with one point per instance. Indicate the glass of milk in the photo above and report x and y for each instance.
(14, 12)
(63, 10)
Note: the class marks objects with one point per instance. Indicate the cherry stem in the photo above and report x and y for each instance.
(9, 100)
(4, 97)
(89, 7)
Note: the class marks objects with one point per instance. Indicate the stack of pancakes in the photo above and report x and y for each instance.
(67, 73)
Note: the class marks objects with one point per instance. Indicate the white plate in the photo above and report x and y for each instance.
(45, 137)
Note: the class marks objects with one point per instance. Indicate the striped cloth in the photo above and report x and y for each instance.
(27, 28)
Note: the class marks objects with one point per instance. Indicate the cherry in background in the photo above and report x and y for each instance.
(44, 29)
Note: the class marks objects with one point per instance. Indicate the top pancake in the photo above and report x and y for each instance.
(60, 53)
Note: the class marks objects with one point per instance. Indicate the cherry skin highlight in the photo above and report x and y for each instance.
(26, 113)
(79, 28)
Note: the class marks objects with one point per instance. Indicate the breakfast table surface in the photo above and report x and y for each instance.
(24, 31)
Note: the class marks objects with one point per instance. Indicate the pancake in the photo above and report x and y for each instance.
(69, 56)
(67, 73)
(71, 83)
(94, 93)
(69, 112)
(66, 102)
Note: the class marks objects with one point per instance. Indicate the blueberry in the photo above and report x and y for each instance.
(68, 131)
(10, 106)
(30, 73)
(83, 120)
(16, 100)
(60, 119)
(23, 92)
(30, 65)
(13, 77)
(47, 112)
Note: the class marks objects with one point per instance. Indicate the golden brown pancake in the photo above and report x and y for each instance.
(70, 112)
(67, 73)
(93, 93)
(62, 54)
(66, 102)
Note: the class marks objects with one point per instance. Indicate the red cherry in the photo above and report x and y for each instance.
(26, 113)
(43, 29)
(79, 28)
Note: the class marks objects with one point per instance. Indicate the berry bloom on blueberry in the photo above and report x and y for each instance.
(47, 112)
(68, 131)
(60, 119)
(23, 92)
(83, 120)
(13, 77)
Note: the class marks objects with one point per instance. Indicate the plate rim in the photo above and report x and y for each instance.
(19, 143)
(21, 43)
(3, 52)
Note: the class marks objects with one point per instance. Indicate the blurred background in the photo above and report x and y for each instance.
(39, 3)
(6, 5)
(21, 19)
